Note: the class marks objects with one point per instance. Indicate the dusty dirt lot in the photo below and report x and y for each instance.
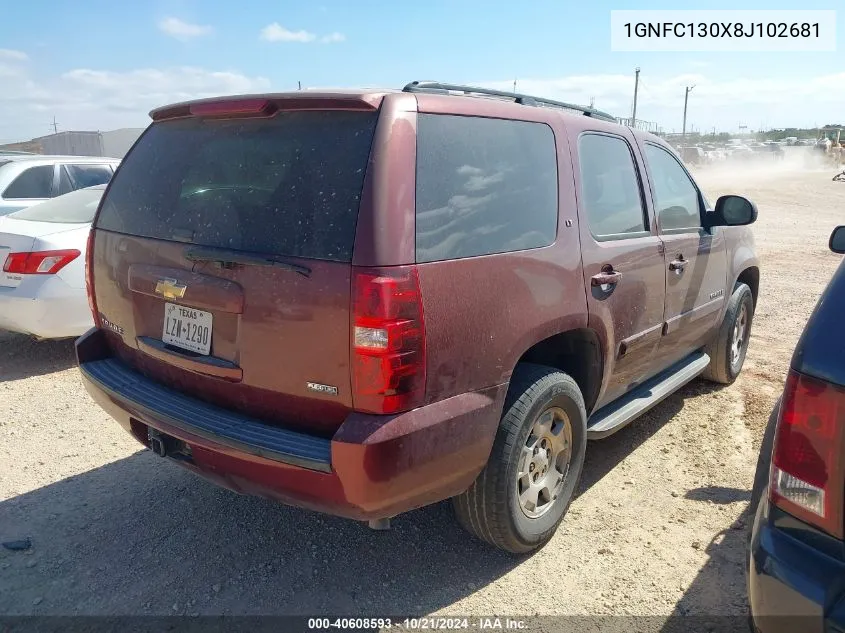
(657, 528)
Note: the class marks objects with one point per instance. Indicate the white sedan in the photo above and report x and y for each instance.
(42, 281)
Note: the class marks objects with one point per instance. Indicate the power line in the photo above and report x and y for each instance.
(644, 87)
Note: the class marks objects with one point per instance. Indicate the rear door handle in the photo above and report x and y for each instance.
(678, 264)
(606, 278)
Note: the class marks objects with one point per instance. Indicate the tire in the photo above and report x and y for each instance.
(724, 365)
(491, 508)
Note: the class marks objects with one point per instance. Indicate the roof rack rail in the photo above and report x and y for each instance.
(436, 87)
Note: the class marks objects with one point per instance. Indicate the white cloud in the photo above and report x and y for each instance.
(275, 32)
(12, 63)
(91, 99)
(333, 37)
(9, 54)
(183, 30)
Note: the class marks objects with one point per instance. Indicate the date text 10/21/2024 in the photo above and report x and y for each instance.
(421, 623)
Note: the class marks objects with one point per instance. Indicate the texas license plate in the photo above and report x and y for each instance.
(187, 328)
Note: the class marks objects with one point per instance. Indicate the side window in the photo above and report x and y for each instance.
(610, 187)
(676, 198)
(65, 185)
(483, 186)
(35, 182)
(89, 175)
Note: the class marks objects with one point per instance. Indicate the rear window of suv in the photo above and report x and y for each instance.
(289, 185)
(484, 186)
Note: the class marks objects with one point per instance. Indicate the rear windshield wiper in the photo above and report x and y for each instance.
(230, 258)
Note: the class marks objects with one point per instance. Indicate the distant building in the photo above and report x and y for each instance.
(71, 143)
(117, 142)
(113, 144)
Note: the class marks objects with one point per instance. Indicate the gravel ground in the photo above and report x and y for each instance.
(658, 527)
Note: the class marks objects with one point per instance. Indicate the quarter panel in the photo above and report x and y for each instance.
(74, 273)
(483, 313)
(821, 348)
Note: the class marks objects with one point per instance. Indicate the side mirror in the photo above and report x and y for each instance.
(837, 240)
(733, 211)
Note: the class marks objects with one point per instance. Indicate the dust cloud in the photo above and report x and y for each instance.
(796, 160)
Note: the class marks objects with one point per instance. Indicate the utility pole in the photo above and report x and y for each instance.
(299, 85)
(636, 87)
(55, 126)
(514, 86)
(687, 90)
(592, 103)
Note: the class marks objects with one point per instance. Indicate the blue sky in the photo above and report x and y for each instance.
(102, 64)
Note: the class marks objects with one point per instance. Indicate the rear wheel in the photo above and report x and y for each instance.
(727, 350)
(520, 497)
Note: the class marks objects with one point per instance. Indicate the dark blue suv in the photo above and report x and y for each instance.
(796, 563)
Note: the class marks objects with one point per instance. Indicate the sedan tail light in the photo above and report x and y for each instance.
(808, 469)
(40, 262)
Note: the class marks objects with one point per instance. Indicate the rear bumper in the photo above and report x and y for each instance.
(373, 467)
(792, 586)
(45, 307)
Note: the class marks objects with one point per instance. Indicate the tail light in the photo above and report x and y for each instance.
(40, 262)
(808, 470)
(388, 340)
(89, 276)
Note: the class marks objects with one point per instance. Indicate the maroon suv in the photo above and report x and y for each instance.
(366, 302)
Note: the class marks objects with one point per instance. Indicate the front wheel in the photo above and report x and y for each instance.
(521, 495)
(727, 350)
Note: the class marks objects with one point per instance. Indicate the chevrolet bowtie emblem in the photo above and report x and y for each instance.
(170, 288)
